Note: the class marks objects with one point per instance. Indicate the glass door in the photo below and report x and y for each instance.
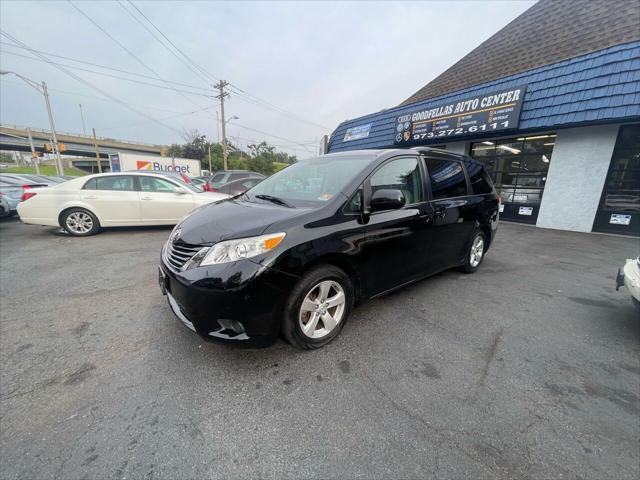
(619, 210)
(518, 168)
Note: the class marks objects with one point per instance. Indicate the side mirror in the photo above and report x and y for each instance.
(387, 199)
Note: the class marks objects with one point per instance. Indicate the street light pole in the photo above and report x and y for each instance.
(59, 166)
(34, 155)
(43, 90)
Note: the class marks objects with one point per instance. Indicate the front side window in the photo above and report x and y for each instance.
(115, 182)
(399, 174)
(447, 178)
(153, 184)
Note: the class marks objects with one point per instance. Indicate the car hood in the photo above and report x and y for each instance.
(215, 222)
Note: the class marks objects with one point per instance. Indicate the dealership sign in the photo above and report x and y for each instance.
(473, 115)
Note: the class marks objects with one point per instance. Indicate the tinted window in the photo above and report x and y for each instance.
(400, 174)
(237, 176)
(152, 184)
(115, 182)
(447, 178)
(218, 178)
(480, 181)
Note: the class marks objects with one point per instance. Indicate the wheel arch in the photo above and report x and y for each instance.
(344, 263)
(83, 206)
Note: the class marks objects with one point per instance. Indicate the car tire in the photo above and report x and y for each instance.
(475, 253)
(323, 290)
(80, 222)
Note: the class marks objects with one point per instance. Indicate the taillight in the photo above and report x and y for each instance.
(206, 187)
(24, 187)
(27, 195)
(499, 200)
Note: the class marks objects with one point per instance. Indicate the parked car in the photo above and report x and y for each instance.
(199, 181)
(298, 250)
(16, 179)
(629, 276)
(238, 186)
(9, 198)
(86, 204)
(223, 177)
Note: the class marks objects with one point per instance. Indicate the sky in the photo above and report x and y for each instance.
(297, 69)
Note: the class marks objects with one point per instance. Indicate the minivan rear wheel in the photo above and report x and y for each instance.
(475, 253)
(318, 307)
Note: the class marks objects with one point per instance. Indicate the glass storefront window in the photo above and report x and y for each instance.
(518, 167)
(619, 210)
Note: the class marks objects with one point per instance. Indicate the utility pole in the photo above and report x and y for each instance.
(210, 172)
(95, 144)
(34, 155)
(221, 86)
(84, 130)
(59, 167)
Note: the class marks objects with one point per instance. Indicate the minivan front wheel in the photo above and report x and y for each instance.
(475, 253)
(318, 307)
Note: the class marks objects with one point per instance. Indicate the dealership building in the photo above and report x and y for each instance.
(550, 104)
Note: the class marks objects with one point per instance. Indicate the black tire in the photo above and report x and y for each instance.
(68, 215)
(469, 265)
(291, 323)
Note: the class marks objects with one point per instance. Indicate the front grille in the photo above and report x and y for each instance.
(177, 254)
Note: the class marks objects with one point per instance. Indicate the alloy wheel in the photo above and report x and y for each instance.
(477, 250)
(79, 222)
(322, 309)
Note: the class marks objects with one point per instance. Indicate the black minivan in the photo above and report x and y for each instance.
(293, 254)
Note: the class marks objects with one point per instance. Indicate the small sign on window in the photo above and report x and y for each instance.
(619, 219)
(525, 211)
(501, 209)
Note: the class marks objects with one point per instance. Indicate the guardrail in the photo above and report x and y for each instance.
(69, 134)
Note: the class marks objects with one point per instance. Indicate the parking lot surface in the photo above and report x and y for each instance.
(529, 368)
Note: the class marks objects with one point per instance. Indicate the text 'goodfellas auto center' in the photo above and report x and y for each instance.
(550, 104)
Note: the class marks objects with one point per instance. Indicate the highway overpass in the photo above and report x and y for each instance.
(15, 138)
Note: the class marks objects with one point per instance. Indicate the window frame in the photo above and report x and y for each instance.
(136, 186)
(365, 187)
(166, 179)
(461, 162)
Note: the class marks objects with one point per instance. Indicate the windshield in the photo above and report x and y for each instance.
(311, 182)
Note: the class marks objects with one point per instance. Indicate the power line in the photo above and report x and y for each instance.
(206, 73)
(129, 51)
(238, 90)
(74, 67)
(270, 135)
(99, 66)
(89, 84)
(121, 3)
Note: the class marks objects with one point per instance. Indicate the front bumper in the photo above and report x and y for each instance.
(237, 303)
(630, 278)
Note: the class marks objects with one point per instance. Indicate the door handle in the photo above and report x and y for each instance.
(89, 197)
(145, 198)
(426, 217)
(441, 212)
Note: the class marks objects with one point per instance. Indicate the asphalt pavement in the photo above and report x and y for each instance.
(529, 368)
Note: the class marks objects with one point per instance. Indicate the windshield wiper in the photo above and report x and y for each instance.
(276, 200)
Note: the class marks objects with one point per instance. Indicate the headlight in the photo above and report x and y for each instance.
(232, 250)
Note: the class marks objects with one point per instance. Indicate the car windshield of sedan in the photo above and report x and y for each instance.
(311, 182)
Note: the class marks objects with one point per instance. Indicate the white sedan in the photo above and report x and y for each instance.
(83, 205)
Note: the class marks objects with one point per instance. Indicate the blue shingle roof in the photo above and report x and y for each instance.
(598, 87)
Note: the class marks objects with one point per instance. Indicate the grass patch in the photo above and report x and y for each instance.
(45, 170)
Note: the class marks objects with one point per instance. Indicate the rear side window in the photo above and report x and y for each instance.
(90, 185)
(480, 181)
(116, 182)
(237, 176)
(447, 178)
(218, 178)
